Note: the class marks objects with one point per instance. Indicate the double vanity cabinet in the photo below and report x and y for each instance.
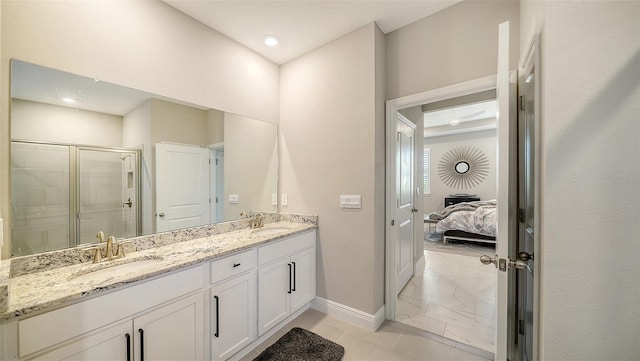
(216, 310)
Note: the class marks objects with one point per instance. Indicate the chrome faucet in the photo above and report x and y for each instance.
(98, 257)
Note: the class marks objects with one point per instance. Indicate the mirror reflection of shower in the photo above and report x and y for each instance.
(62, 195)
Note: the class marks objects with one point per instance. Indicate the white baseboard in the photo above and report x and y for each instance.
(349, 314)
(419, 265)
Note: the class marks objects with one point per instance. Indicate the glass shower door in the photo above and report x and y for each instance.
(39, 198)
(108, 194)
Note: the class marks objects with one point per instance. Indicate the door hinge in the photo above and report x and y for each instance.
(216, 199)
(521, 102)
(216, 162)
(209, 161)
(521, 327)
(521, 215)
(209, 200)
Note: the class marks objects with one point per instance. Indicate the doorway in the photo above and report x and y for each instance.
(451, 295)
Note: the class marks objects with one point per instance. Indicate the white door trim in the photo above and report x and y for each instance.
(393, 105)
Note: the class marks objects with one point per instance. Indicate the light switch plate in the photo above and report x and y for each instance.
(351, 201)
(233, 199)
(274, 199)
(285, 199)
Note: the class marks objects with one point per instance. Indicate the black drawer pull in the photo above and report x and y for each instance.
(128, 337)
(236, 265)
(217, 334)
(141, 331)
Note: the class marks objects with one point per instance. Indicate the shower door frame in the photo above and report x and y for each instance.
(74, 183)
(75, 157)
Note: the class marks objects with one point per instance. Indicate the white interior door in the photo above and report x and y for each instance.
(182, 186)
(506, 198)
(405, 207)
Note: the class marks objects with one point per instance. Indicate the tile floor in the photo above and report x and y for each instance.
(453, 297)
(392, 341)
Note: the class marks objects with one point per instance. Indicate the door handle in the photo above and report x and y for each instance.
(128, 340)
(289, 264)
(414, 210)
(161, 215)
(127, 203)
(217, 334)
(294, 276)
(141, 331)
(487, 260)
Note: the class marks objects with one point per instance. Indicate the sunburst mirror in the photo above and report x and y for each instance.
(463, 167)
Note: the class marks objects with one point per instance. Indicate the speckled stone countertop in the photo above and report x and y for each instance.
(48, 287)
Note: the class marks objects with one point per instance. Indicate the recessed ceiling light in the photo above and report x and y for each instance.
(271, 40)
(69, 100)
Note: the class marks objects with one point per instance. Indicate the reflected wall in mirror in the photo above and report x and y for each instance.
(89, 155)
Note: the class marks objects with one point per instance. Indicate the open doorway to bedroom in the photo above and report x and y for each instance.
(451, 294)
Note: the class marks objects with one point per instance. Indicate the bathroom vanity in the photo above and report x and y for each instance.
(214, 297)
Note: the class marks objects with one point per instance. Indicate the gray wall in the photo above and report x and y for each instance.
(457, 44)
(332, 139)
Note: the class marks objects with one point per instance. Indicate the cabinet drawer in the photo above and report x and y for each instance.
(233, 265)
(286, 247)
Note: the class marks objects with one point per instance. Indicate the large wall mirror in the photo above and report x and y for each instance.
(90, 156)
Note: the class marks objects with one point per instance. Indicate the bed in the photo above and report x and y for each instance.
(467, 221)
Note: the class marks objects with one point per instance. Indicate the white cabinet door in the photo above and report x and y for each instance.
(284, 287)
(109, 344)
(273, 295)
(303, 288)
(172, 332)
(233, 315)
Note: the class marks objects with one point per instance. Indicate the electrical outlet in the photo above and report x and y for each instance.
(234, 199)
(285, 199)
(274, 199)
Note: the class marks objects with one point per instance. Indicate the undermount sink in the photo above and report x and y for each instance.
(269, 230)
(114, 269)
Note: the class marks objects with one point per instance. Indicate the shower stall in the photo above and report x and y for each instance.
(62, 195)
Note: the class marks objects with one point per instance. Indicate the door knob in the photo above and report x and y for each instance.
(524, 256)
(487, 260)
(414, 210)
(161, 214)
(522, 262)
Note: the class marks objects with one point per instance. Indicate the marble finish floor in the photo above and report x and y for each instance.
(453, 297)
(393, 341)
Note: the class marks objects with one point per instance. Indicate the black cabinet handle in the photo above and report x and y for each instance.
(236, 265)
(294, 276)
(289, 264)
(128, 337)
(141, 331)
(217, 334)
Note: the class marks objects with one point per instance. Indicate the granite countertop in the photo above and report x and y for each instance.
(52, 287)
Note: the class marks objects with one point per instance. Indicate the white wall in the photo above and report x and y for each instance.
(51, 123)
(591, 180)
(484, 141)
(145, 45)
(331, 128)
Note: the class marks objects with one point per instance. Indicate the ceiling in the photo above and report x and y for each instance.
(302, 25)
